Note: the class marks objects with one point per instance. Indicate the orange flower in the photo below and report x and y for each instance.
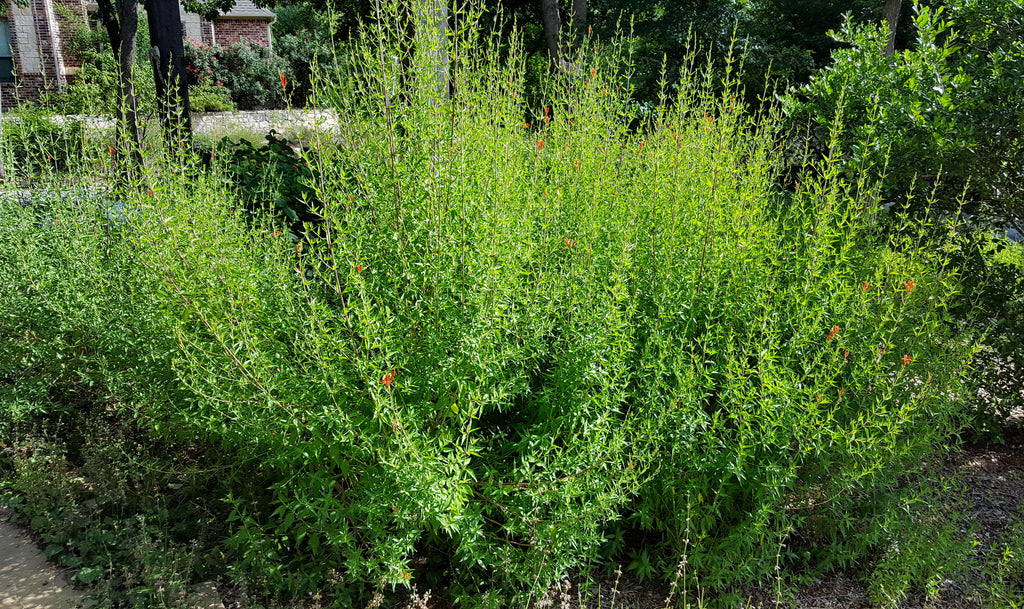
(569, 243)
(359, 268)
(540, 144)
(866, 286)
(841, 390)
(150, 192)
(832, 334)
(284, 81)
(908, 285)
(846, 353)
(906, 359)
(388, 379)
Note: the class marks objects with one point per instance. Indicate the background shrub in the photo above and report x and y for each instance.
(250, 71)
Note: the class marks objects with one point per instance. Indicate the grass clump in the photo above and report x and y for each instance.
(514, 339)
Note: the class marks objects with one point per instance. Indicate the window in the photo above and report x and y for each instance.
(6, 54)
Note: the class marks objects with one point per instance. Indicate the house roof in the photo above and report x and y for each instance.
(246, 9)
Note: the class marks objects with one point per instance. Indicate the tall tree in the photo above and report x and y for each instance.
(167, 53)
(891, 11)
(557, 52)
(120, 19)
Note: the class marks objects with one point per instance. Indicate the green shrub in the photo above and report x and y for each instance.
(272, 177)
(949, 107)
(507, 344)
(307, 52)
(34, 144)
(250, 71)
(503, 340)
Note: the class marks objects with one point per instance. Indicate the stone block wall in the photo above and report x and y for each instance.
(293, 124)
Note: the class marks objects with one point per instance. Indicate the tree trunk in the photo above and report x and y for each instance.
(122, 25)
(892, 18)
(167, 53)
(552, 33)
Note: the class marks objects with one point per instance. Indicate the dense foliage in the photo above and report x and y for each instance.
(253, 74)
(948, 110)
(946, 114)
(507, 350)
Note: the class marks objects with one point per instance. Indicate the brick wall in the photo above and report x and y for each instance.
(228, 30)
(75, 9)
(28, 88)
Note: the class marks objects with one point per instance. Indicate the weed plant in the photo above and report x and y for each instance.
(516, 337)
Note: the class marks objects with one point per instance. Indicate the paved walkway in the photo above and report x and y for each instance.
(27, 580)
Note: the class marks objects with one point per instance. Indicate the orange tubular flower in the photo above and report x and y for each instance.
(832, 334)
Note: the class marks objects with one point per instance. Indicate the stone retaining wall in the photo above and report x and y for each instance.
(293, 124)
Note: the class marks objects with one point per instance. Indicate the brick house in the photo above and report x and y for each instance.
(32, 57)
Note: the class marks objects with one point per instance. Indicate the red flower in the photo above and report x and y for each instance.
(284, 81)
(569, 243)
(846, 353)
(909, 286)
(359, 269)
(641, 145)
(841, 390)
(149, 192)
(832, 334)
(866, 286)
(906, 359)
(388, 379)
(540, 144)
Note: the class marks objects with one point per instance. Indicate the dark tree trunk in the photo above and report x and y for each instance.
(552, 33)
(892, 18)
(122, 25)
(167, 53)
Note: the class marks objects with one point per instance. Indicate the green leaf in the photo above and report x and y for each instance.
(89, 575)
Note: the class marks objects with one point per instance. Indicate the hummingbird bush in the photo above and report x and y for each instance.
(514, 334)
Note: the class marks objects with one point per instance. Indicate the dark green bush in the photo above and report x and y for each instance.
(946, 112)
(272, 177)
(249, 71)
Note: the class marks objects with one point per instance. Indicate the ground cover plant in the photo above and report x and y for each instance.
(519, 343)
